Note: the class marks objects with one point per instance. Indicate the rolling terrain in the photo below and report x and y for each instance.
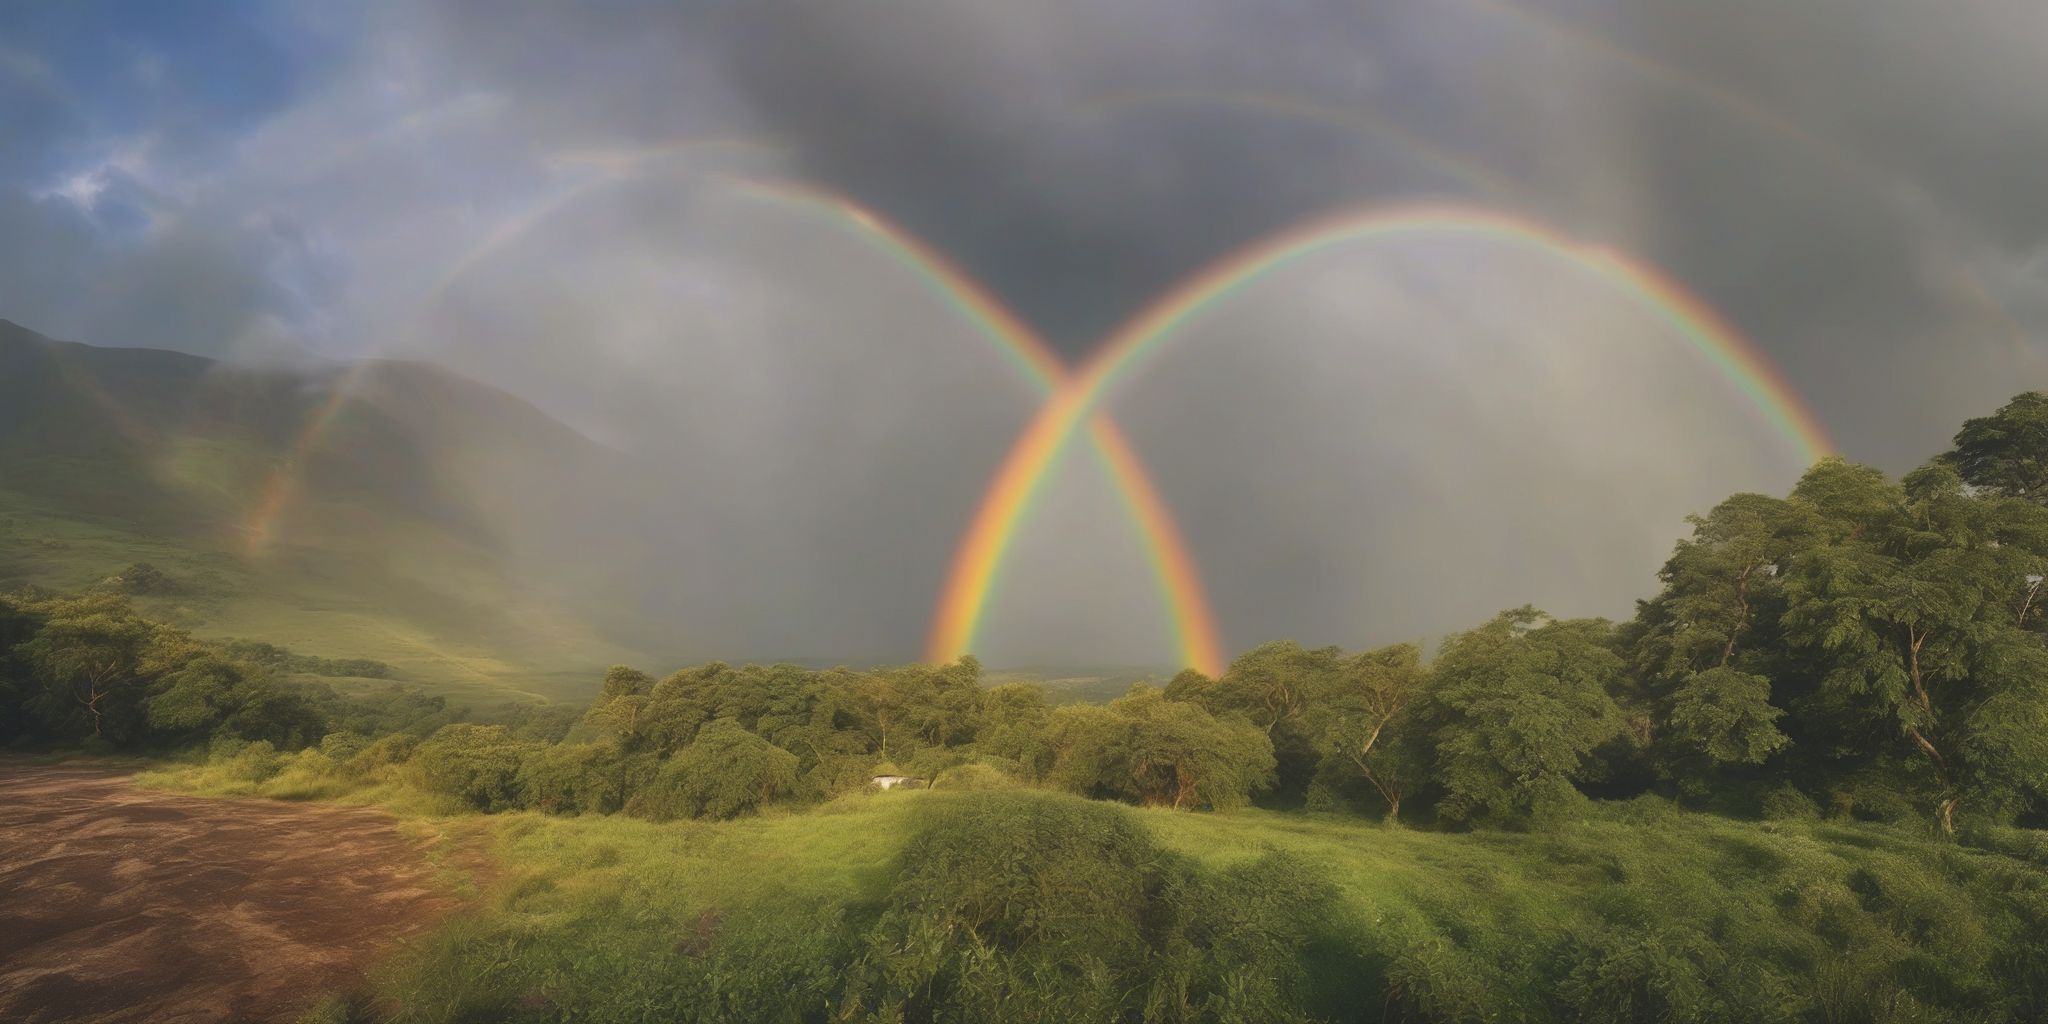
(355, 514)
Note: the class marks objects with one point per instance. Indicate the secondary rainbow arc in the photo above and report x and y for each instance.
(1198, 642)
(978, 560)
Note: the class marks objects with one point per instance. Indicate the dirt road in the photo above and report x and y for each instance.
(123, 904)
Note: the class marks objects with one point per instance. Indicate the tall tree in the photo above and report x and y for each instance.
(2007, 451)
(1517, 707)
(1283, 688)
(1367, 719)
(91, 659)
(1707, 645)
(1906, 618)
(1182, 757)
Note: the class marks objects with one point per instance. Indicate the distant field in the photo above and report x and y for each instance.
(440, 631)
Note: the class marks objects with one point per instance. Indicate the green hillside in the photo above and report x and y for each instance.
(358, 529)
(1637, 913)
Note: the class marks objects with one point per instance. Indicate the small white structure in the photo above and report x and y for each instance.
(897, 782)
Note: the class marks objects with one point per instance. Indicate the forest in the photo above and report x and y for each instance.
(1858, 665)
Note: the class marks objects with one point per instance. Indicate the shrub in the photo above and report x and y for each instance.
(1673, 974)
(567, 778)
(998, 895)
(386, 753)
(478, 765)
(727, 772)
(246, 762)
(1788, 803)
(1036, 907)
(974, 777)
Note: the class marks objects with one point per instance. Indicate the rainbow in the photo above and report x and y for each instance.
(1186, 604)
(614, 166)
(980, 554)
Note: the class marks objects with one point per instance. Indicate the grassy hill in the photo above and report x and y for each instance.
(1640, 912)
(365, 527)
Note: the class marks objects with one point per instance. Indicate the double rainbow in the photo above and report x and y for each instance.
(979, 558)
(1073, 397)
(1199, 644)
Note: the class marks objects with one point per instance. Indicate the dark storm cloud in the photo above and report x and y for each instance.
(1851, 183)
(982, 126)
(1854, 184)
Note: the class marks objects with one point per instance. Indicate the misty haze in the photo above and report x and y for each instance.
(1380, 511)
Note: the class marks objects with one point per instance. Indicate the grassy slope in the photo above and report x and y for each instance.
(318, 602)
(594, 909)
(110, 457)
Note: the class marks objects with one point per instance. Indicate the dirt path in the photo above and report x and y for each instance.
(124, 904)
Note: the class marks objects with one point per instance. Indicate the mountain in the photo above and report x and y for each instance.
(387, 510)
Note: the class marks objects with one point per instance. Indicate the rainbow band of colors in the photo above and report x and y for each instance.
(978, 561)
(1186, 604)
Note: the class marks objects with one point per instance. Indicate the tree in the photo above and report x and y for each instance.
(676, 708)
(1013, 719)
(1086, 751)
(19, 620)
(1180, 756)
(1147, 749)
(1517, 707)
(1274, 684)
(90, 659)
(882, 696)
(1707, 645)
(943, 705)
(211, 694)
(1368, 714)
(726, 772)
(625, 681)
(2007, 451)
(479, 765)
(565, 778)
(1906, 619)
(1726, 716)
(1282, 687)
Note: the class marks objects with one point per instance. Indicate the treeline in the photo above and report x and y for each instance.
(1863, 646)
(279, 659)
(89, 671)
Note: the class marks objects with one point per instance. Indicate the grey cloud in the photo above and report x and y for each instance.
(1848, 182)
(194, 283)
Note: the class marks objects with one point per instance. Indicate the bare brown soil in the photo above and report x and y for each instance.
(123, 904)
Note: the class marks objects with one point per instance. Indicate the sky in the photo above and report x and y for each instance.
(590, 206)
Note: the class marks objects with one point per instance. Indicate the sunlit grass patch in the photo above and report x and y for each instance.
(1593, 920)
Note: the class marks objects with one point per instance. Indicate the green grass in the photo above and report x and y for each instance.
(595, 918)
(441, 625)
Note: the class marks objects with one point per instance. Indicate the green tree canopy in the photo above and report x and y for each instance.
(1517, 708)
(2007, 451)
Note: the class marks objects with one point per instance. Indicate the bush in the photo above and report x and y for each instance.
(478, 765)
(568, 778)
(1012, 906)
(1674, 974)
(246, 762)
(1788, 803)
(1036, 907)
(727, 772)
(386, 753)
(974, 777)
